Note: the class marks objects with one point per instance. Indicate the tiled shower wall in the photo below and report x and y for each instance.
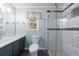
(54, 37)
(70, 40)
(64, 42)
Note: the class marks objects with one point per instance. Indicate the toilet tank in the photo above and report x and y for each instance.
(35, 39)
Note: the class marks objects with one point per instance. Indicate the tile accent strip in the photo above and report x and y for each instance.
(71, 29)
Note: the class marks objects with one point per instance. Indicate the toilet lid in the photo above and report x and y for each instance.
(33, 47)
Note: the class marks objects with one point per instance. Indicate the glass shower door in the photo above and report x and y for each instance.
(51, 34)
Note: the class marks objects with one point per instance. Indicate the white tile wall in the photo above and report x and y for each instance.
(70, 41)
(52, 21)
(74, 22)
(59, 43)
(52, 39)
(67, 40)
(52, 42)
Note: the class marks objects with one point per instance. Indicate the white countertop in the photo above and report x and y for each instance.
(5, 40)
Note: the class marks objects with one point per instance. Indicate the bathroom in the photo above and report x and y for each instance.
(39, 29)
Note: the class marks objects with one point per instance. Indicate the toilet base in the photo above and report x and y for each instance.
(34, 53)
(33, 49)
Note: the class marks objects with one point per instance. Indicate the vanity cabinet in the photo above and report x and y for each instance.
(16, 48)
(22, 44)
(13, 49)
(6, 50)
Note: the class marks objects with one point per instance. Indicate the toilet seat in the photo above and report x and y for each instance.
(33, 47)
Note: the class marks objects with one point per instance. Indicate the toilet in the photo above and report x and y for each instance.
(33, 48)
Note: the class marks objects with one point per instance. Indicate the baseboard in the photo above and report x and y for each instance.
(42, 49)
(26, 48)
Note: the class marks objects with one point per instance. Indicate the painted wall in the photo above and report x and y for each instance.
(19, 25)
(22, 28)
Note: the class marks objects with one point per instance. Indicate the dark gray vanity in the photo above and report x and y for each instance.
(6, 50)
(18, 46)
(14, 48)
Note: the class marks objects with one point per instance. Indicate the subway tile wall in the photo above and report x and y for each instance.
(70, 40)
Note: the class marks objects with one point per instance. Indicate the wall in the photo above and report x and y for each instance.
(51, 34)
(22, 28)
(64, 42)
(54, 37)
(70, 41)
(18, 24)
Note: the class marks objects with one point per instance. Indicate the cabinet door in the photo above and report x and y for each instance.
(16, 48)
(6, 51)
(22, 43)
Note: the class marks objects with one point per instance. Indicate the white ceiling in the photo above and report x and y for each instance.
(61, 6)
(33, 5)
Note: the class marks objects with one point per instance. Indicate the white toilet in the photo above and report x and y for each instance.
(33, 49)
